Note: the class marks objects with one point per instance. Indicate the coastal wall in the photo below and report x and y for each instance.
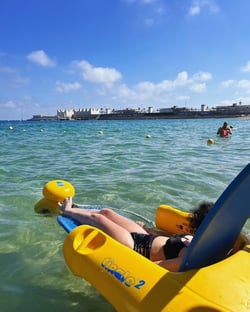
(127, 114)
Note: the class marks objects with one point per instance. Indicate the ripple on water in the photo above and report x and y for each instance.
(120, 168)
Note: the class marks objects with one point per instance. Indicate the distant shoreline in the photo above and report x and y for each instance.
(147, 116)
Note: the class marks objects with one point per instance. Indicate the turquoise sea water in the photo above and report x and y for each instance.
(120, 168)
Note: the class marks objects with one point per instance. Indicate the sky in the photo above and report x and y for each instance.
(117, 54)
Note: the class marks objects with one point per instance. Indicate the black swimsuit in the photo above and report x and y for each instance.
(143, 244)
(173, 246)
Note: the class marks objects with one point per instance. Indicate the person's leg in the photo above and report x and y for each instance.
(129, 225)
(100, 221)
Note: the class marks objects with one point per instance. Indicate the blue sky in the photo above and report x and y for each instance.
(57, 54)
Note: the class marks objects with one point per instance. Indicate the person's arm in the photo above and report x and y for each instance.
(153, 231)
(157, 232)
(172, 265)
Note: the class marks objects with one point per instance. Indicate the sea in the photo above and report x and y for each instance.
(133, 165)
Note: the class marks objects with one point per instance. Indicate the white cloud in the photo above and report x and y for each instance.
(63, 87)
(27, 97)
(246, 68)
(183, 98)
(198, 87)
(164, 85)
(244, 84)
(181, 79)
(142, 1)
(124, 92)
(151, 11)
(10, 105)
(227, 83)
(41, 58)
(198, 5)
(160, 92)
(239, 86)
(146, 86)
(202, 76)
(110, 85)
(147, 1)
(194, 10)
(10, 78)
(101, 75)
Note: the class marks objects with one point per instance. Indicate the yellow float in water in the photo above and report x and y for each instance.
(210, 141)
(214, 274)
(179, 220)
(54, 191)
(58, 190)
(130, 282)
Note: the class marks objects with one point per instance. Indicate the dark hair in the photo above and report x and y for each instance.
(198, 214)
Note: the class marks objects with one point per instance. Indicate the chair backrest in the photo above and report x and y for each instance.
(219, 230)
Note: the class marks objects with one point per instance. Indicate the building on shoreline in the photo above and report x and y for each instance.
(175, 112)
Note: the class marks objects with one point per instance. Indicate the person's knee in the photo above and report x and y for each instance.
(97, 218)
(107, 212)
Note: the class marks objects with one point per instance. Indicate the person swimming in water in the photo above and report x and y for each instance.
(163, 249)
(224, 130)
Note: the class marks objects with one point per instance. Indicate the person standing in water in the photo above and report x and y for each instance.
(224, 130)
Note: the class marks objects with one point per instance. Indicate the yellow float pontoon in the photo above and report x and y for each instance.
(54, 191)
(214, 274)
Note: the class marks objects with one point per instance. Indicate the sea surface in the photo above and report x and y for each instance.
(110, 163)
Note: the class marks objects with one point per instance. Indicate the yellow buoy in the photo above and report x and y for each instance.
(54, 191)
(47, 206)
(58, 190)
(100, 132)
(148, 136)
(210, 141)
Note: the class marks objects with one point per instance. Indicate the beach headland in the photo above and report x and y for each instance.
(136, 114)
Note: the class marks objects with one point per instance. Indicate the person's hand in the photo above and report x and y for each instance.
(141, 223)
